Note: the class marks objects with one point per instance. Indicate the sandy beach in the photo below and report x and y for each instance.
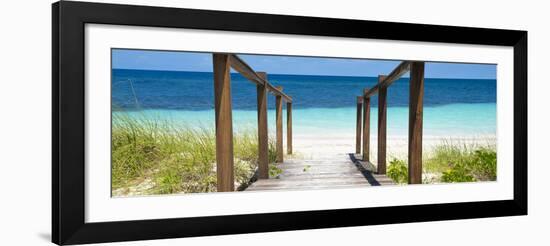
(318, 146)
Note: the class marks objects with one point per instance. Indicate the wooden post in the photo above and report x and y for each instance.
(366, 128)
(224, 128)
(382, 114)
(358, 125)
(415, 122)
(289, 128)
(279, 126)
(263, 161)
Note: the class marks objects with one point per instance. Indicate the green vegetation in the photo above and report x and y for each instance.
(172, 158)
(398, 171)
(274, 171)
(452, 162)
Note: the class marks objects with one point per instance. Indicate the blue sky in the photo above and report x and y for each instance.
(202, 62)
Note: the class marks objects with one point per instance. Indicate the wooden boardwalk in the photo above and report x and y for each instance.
(337, 171)
(341, 171)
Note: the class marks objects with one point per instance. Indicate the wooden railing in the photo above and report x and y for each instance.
(416, 95)
(224, 124)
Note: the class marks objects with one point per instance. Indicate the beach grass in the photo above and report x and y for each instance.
(160, 156)
(452, 161)
(152, 156)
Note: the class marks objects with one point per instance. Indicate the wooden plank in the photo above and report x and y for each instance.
(288, 188)
(415, 122)
(263, 145)
(382, 115)
(366, 128)
(224, 128)
(310, 180)
(401, 69)
(315, 169)
(275, 91)
(310, 186)
(317, 164)
(358, 125)
(349, 174)
(323, 180)
(327, 172)
(312, 174)
(289, 128)
(341, 174)
(312, 183)
(245, 70)
(279, 126)
(328, 187)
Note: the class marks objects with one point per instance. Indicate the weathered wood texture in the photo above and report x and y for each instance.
(358, 125)
(366, 129)
(279, 126)
(263, 161)
(340, 171)
(401, 69)
(224, 128)
(382, 115)
(289, 128)
(415, 122)
(246, 71)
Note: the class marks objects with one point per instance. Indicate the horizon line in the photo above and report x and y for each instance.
(353, 76)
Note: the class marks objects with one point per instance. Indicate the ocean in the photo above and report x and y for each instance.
(452, 107)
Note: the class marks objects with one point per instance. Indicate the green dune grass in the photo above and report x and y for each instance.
(173, 158)
(452, 161)
(154, 156)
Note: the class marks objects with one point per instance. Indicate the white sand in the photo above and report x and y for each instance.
(319, 146)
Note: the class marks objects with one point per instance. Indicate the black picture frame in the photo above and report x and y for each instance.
(68, 24)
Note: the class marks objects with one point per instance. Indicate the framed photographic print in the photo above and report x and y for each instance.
(175, 122)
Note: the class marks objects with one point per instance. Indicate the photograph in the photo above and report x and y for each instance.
(185, 122)
(274, 123)
(171, 122)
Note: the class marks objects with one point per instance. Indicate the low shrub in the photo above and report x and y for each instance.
(398, 171)
(462, 162)
(484, 164)
(457, 173)
(456, 162)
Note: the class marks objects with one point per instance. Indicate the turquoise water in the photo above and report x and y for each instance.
(321, 105)
(446, 120)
